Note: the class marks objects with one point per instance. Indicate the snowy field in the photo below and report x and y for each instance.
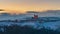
(36, 25)
(54, 25)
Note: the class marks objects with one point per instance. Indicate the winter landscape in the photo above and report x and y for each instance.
(44, 23)
(29, 16)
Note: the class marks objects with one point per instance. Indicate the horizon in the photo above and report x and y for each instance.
(19, 12)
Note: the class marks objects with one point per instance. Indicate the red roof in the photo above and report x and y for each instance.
(35, 16)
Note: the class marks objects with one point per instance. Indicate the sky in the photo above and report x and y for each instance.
(21, 6)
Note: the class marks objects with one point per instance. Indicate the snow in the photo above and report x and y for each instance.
(36, 25)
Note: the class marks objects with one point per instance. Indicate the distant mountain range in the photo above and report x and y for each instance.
(48, 13)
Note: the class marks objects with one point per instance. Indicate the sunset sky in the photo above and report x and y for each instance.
(21, 6)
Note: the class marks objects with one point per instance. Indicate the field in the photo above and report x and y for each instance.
(49, 25)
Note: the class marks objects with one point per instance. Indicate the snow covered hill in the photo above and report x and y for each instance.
(36, 25)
